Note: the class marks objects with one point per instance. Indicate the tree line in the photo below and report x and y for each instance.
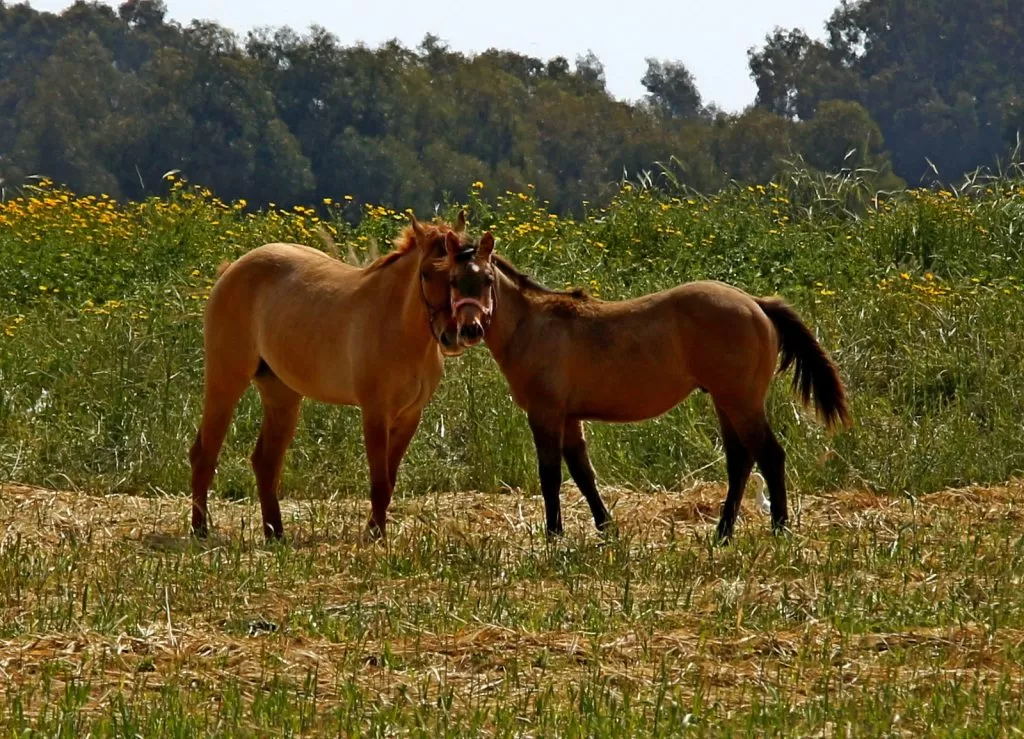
(108, 100)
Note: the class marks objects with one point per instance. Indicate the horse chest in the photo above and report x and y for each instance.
(418, 386)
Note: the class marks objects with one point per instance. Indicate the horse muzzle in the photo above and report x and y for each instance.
(448, 340)
(470, 332)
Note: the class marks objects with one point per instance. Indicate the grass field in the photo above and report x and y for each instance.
(882, 616)
(895, 607)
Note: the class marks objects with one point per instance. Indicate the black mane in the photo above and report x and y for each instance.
(525, 282)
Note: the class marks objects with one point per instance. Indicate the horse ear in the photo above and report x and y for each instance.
(417, 228)
(460, 222)
(452, 246)
(486, 246)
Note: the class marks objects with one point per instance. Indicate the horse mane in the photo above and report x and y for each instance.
(405, 242)
(527, 284)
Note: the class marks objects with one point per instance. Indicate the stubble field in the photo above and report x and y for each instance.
(878, 616)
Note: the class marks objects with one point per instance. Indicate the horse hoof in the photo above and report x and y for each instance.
(608, 529)
(200, 531)
(373, 534)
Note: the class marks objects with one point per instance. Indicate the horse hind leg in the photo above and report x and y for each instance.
(759, 439)
(281, 407)
(219, 401)
(772, 461)
(739, 462)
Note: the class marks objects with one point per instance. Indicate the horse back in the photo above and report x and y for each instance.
(638, 358)
(294, 310)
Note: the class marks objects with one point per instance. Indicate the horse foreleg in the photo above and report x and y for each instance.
(376, 436)
(399, 438)
(547, 438)
(574, 449)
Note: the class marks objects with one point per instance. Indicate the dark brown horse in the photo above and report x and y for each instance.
(297, 323)
(569, 358)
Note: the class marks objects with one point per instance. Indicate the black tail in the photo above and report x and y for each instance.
(813, 368)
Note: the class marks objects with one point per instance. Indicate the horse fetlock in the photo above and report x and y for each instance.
(273, 531)
(726, 524)
(374, 533)
(608, 528)
(779, 510)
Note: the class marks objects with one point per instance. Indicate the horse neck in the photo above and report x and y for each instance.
(398, 283)
(511, 309)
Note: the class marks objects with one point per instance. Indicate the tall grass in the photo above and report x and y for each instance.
(916, 294)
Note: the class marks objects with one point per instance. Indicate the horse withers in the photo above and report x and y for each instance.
(296, 322)
(569, 357)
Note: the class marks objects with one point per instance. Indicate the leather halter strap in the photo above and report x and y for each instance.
(471, 301)
(432, 312)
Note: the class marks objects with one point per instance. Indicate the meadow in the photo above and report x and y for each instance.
(893, 608)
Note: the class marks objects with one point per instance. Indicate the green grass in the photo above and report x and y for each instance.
(894, 602)
(918, 300)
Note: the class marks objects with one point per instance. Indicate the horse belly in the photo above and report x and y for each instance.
(307, 375)
(311, 356)
(630, 391)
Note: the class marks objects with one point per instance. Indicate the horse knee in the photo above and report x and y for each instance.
(264, 459)
(256, 458)
(196, 451)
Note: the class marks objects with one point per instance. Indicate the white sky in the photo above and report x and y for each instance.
(710, 37)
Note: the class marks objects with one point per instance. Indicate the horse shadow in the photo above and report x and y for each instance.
(177, 542)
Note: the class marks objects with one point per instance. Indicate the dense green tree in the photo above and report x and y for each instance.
(211, 115)
(752, 147)
(672, 91)
(110, 99)
(73, 122)
(841, 135)
(937, 77)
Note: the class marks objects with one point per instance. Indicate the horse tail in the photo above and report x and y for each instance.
(813, 368)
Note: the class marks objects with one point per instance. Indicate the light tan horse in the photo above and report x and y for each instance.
(298, 323)
(569, 358)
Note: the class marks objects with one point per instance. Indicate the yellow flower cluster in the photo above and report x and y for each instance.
(101, 257)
